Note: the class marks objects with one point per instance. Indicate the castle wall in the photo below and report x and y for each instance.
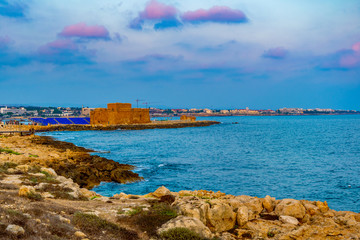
(119, 113)
(99, 116)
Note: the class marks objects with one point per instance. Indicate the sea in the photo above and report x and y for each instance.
(300, 157)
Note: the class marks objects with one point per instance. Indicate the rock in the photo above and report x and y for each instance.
(50, 171)
(64, 220)
(87, 193)
(255, 206)
(161, 191)
(227, 236)
(323, 206)
(242, 215)
(24, 191)
(79, 234)
(47, 195)
(311, 209)
(269, 203)
(220, 218)
(192, 224)
(15, 229)
(120, 195)
(260, 228)
(23, 168)
(290, 207)
(289, 219)
(198, 210)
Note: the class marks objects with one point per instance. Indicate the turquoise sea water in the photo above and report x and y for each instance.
(301, 157)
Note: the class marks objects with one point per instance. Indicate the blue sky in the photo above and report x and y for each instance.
(218, 54)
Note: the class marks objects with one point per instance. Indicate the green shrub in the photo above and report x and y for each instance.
(34, 196)
(150, 220)
(9, 151)
(180, 234)
(135, 211)
(94, 225)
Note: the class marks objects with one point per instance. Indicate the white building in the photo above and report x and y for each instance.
(14, 111)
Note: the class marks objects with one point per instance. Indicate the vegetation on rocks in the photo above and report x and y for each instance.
(180, 234)
(9, 151)
(96, 226)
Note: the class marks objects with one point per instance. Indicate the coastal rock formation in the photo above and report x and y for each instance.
(290, 207)
(190, 223)
(264, 218)
(61, 158)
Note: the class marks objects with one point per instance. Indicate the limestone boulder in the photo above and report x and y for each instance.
(15, 229)
(79, 234)
(242, 215)
(269, 203)
(311, 209)
(86, 193)
(255, 207)
(323, 206)
(220, 218)
(197, 210)
(161, 191)
(290, 207)
(190, 223)
(289, 220)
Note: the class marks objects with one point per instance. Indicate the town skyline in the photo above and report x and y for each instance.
(257, 54)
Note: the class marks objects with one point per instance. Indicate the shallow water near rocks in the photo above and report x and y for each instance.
(301, 157)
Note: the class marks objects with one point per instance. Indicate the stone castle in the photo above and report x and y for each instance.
(119, 113)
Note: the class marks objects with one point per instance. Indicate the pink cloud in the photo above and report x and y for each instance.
(349, 61)
(276, 53)
(215, 14)
(158, 11)
(58, 46)
(5, 41)
(356, 47)
(83, 31)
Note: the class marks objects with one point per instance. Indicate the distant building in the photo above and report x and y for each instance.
(86, 111)
(291, 110)
(119, 113)
(14, 111)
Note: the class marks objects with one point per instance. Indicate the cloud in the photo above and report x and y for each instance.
(276, 53)
(81, 30)
(58, 46)
(158, 11)
(64, 51)
(5, 42)
(219, 14)
(12, 10)
(156, 58)
(345, 59)
(356, 47)
(166, 16)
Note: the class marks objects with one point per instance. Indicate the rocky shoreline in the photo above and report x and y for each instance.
(152, 125)
(67, 160)
(44, 195)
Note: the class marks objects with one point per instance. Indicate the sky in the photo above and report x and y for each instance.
(221, 54)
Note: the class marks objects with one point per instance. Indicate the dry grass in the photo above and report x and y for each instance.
(150, 220)
(99, 228)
